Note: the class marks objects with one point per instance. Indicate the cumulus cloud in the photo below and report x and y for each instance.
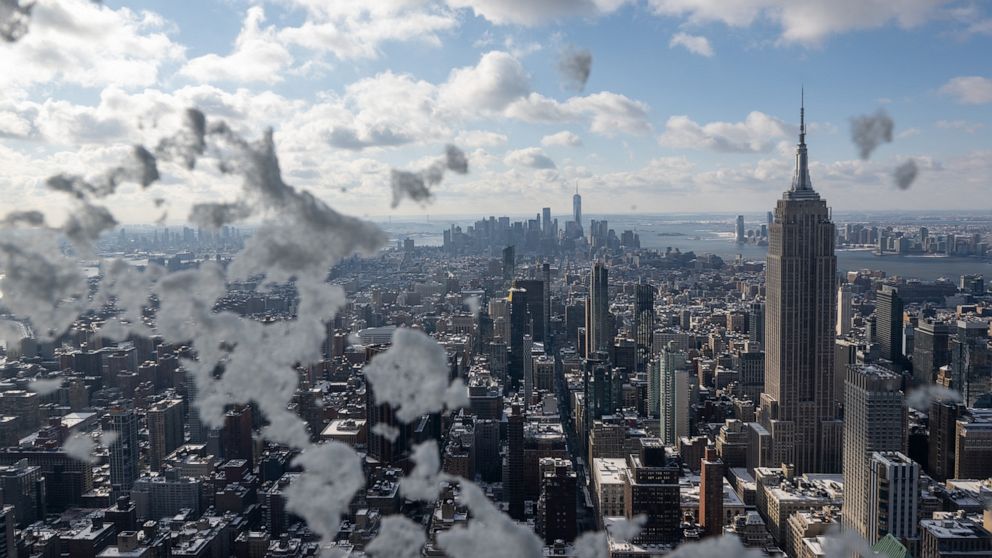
(357, 30)
(44, 386)
(921, 397)
(491, 85)
(84, 43)
(756, 134)
(480, 138)
(563, 138)
(15, 16)
(398, 537)
(526, 12)
(871, 130)
(803, 22)
(81, 447)
(412, 375)
(417, 185)
(332, 474)
(423, 482)
(969, 90)
(696, 44)
(963, 125)
(258, 56)
(531, 157)
(39, 282)
(574, 66)
(905, 174)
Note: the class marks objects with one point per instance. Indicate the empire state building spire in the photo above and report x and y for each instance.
(801, 183)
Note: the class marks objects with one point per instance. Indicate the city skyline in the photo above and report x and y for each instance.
(215, 340)
(347, 110)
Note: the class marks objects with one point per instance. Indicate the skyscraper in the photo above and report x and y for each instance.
(535, 301)
(643, 320)
(577, 207)
(893, 497)
(556, 506)
(597, 310)
(873, 422)
(520, 325)
(711, 494)
(675, 394)
(930, 350)
(740, 230)
(123, 452)
(513, 473)
(546, 221)
(844, 309)
(509, 262)
(165, 430)
(888, 319)
(797, 407)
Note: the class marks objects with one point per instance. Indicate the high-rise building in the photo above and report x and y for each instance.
(651, 489)
(711, 494)
(888, 319)
(535, 302)
(8, 546)
(797, 407)
(509, 263)
(67, 479)
(930, 350)
(675, 394)
(740, 237)
(949, 535)
(973, 445)
(165, 430)
(23, 486)
(123, 452)
(971, 360)
(942, 418)
(577, 207)
(556, 508)
(385, 449)
(521, 322)
(513, 473)
(874, 421)
(756, 325)
(845, 309)
(598, 337)
(643, 319)
(236, 435)
(546, 291)
(893, 497)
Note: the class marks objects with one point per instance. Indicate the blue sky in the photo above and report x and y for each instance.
(690, 105)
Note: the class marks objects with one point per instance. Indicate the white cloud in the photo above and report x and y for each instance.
(85, 43)
(491, 85)
(530, 12)
(355, 29)
(563, 138)
(531, 157)
(257, 56)
(963, 125)
(611, 113)
(608, 113)
(480, 138)
(696, 44)
(970, 90)
(756, 134)
(804, 22)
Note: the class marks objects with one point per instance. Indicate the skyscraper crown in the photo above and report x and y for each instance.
(802, 185)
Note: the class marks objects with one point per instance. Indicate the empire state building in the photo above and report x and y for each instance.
(797, 407)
